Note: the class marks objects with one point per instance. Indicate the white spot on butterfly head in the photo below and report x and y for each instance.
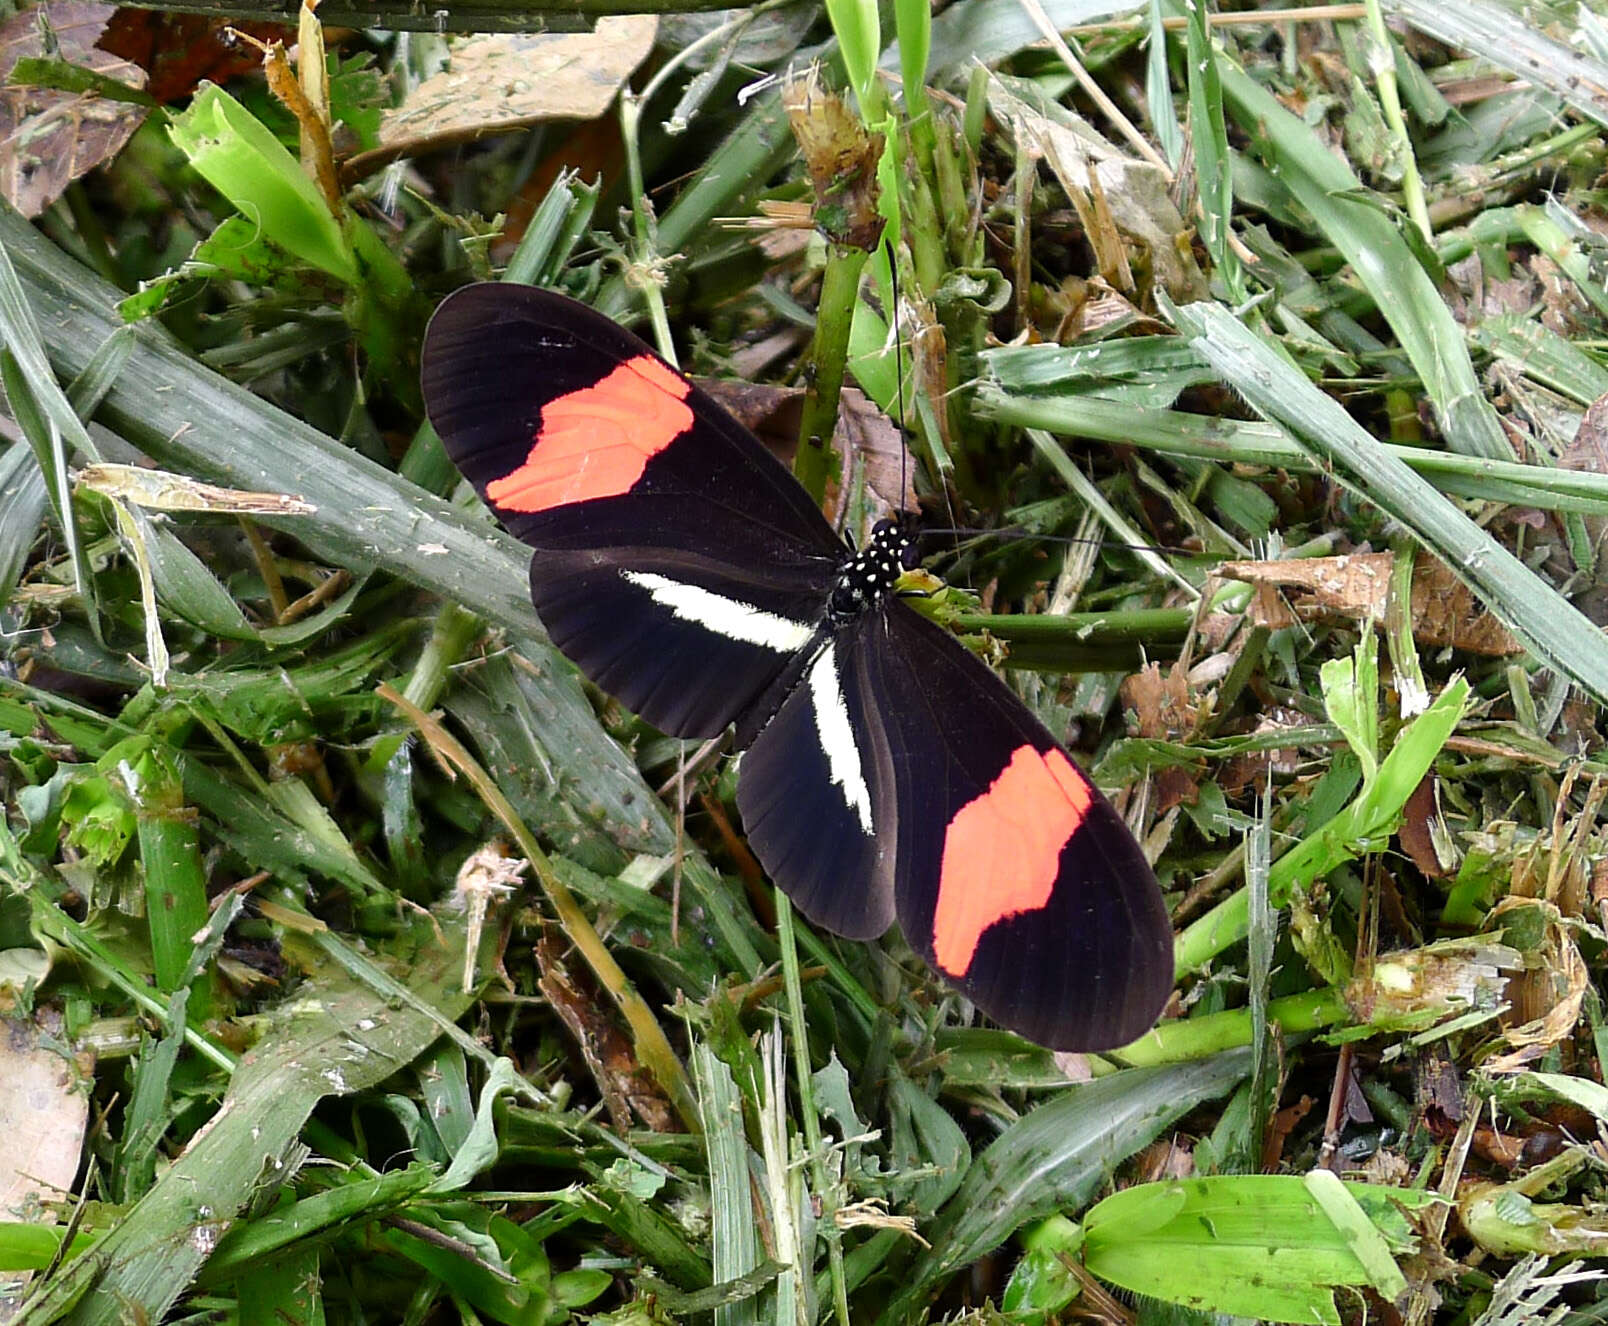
(837, 736)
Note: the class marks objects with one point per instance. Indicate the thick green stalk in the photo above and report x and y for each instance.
(1236, 442)
(1196, 1038)
(175, 880)
(840, 287)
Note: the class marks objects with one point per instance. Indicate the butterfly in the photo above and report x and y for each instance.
(887, 774)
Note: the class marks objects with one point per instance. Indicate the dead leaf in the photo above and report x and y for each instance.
(1546, 997)
(626, 1086)
(1279, 1128)
(1588, 451)
(1355, 586)
(44, 1111)
(1134, 193)
(1418, 830)
(497, 84)
(1170, 1158)
(876, 445)
(1164, 709)
(48, 138)
(159, 490)
(1174, 786)
(1445, 612)
(178, 51)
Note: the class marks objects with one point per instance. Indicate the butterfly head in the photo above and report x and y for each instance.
(867, 576)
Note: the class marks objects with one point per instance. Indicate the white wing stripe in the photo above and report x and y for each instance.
(837, 736)
(731, 618)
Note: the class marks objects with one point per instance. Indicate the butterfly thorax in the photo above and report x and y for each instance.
(866, 577)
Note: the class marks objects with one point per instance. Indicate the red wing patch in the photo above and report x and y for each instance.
(1002, 851)
(596, 442)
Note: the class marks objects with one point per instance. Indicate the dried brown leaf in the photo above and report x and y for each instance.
(1546, 997)
(1133, 194)
(159, 490)
(177, 51)
(1354, 586)
(1418, 832)
(497, 84)
(43, 1115)
(48, 138)
(1445, 612)
(626, 1086)
(1164, 709)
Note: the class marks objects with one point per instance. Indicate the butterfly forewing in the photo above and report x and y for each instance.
(548, 407)
(677, 563)
(1016, 878)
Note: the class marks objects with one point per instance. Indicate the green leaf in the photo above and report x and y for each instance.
(1250, 1244)
(243, 160)
(24, 500)
(480, 1149)
(1351, 698)
(858, 29)
(1056, 1156)
(1364, 1240)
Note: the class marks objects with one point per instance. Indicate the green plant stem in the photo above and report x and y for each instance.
(1199, 1037)
(1383, 67)
(799, 1036)
(645, 268)
(477, 16)
(840, 289)
(748, 156)
(1134, 626)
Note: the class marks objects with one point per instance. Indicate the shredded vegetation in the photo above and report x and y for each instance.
(360, 964)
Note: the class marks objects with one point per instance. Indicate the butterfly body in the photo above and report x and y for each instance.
(887, 773)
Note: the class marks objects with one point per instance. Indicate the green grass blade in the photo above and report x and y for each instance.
(1512, 41)
(1551, 627)
(1388, 269)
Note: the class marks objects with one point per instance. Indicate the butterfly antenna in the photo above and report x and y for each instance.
(1007, 535)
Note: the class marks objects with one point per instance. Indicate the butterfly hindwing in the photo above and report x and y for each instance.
(677, 564)
(816, 792)
(1016, 878)
(688, 643)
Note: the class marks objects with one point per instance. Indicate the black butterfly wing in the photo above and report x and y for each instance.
(677, 563)
(1015, 879)
(815, 791)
